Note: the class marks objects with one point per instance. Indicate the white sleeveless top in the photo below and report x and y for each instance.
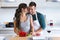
(25, 26)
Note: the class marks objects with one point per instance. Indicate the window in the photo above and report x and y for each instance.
(53, 0)
(9, 0)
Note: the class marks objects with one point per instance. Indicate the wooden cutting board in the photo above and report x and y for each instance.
(18, 38)
(56, 38)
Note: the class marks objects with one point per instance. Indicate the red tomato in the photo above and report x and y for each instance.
(22, 34)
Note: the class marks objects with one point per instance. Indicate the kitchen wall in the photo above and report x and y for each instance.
(51, 10)
(6, 15)
(53, 14)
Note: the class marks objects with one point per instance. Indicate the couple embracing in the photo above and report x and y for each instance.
(28, 19)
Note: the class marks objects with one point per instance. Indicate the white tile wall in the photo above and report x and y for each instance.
(6, 15)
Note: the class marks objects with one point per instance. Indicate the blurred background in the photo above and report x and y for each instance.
(50, 8)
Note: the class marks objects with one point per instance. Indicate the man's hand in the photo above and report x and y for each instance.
(39, 30)
(35, 33)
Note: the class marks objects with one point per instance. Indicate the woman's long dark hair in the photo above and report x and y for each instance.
(18, 13)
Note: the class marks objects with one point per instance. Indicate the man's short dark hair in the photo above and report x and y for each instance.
(32, 4)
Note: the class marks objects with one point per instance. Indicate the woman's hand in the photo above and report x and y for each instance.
(33, 33)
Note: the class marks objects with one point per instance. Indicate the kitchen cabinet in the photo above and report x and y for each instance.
(7, 31)
(4, 32)
(9, 4)
(0, 4)
(42, 3)
(13, 4)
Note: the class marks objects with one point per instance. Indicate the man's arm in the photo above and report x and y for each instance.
(39, 30)
(41, 20)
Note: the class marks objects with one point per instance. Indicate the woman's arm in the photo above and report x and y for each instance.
(31, 25)
(15, 28)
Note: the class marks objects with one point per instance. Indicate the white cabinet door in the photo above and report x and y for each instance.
(10, 4)
(14, 4)
(0, 3)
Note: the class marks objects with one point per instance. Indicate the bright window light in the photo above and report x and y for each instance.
(11, 0)
(53, 0)
(58, 0)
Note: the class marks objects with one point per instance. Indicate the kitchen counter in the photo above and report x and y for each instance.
(42, 36)
(14, 37)
(55, 32)
(6, 28)
(7, 31)
(56, 27)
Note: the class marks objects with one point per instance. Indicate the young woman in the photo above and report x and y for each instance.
(22, 21)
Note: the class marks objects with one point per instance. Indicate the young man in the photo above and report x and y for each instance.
(38, 18)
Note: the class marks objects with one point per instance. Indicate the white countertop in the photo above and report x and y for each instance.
(43, 36)
(3, 36)
(6, 28)
(55, 32)
(56, 27)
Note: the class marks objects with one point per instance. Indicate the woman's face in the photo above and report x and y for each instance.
(24, 10)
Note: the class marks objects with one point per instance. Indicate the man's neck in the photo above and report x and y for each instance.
(34, 13)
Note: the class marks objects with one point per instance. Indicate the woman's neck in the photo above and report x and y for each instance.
(23, 14)
(23, 17)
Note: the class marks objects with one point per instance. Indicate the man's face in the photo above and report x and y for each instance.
(32, 9)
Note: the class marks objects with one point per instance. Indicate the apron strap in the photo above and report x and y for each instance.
(36, 16)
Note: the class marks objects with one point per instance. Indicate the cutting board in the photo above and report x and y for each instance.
(56, 38)
(18, 38)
